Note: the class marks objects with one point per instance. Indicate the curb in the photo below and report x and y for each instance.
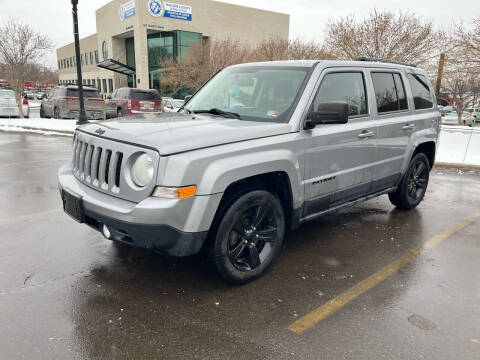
(457, 165)
(52, 132)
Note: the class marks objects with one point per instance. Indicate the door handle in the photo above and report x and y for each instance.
(408, 127)
(366, 134)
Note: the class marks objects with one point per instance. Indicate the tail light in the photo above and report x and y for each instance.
(129, 105)
(68, 98)
(96, 99)
(25, 102)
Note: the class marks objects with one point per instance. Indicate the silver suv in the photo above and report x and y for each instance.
(258, 150)
(62, 103)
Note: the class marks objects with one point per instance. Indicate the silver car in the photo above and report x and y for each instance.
(9, 105)
(258, 150)
(62, 103)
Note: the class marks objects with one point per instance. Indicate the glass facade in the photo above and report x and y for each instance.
(130, 54)
(167, 45)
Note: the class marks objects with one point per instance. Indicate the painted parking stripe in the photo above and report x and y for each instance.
(310, 320)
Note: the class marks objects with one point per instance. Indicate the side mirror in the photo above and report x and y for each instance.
(328, 113)
(187, 98)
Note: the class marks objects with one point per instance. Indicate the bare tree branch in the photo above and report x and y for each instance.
(20, 47)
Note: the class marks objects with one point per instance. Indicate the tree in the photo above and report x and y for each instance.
(204, 60)
(467, 40)
(461, 83)
(280, 49)
(402, 37)
(20, 46)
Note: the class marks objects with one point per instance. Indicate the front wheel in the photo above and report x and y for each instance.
(249, 236)
(414, 184)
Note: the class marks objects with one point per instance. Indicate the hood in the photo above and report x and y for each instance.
(174, 132)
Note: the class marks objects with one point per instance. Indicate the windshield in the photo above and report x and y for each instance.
(7, 93)
(256, 93)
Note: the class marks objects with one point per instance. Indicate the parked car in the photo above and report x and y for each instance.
(9, 105)
(446, 109)
(258, 150)
(451, 118)
(62, 103)
(172, 105)
(127, 101)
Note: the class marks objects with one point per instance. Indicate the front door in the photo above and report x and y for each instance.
(340, 157)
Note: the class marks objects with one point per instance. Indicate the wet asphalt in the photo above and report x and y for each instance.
(67, 293)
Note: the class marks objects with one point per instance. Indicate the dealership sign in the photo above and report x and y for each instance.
(166, 9)
(127, 10)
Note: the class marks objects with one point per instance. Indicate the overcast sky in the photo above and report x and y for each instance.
(307, 17)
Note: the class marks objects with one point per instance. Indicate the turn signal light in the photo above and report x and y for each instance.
(174, 192)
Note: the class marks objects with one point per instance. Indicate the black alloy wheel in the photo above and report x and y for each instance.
(249, 236)
(412, 188)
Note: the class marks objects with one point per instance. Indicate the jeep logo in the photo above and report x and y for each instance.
(100, 131)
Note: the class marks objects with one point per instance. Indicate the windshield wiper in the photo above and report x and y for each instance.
(215, 111)
(184, 108)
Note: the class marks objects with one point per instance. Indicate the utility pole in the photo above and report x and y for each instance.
(82, 116)
(441, 65)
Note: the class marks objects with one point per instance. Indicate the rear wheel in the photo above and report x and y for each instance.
(249, 236)
(119, 113)
(414, 184)
(56, 113)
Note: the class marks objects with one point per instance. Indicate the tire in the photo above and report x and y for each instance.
(119, 113)
(247, 235)
(413, 186)
(42, 113)
(56, 113)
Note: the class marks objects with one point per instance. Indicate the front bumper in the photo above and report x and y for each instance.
(178, 227)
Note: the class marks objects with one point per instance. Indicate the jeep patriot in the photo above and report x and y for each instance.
(258, 150)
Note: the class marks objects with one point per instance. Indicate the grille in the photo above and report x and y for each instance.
(97, 166)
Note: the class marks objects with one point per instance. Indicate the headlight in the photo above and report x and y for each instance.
(142, 170)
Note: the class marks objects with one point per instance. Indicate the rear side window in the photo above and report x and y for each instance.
(346, 87)
(86, 93)
(422, 96)
(389, 92)
(144, 95)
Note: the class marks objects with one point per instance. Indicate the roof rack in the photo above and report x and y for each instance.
(363, 58)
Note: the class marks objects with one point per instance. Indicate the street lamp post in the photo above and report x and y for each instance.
(82, 117)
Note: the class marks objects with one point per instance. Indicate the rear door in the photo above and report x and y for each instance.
(396, 122)
(340, 157)
(395, 126)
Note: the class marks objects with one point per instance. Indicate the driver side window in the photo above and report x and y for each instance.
(342, 87)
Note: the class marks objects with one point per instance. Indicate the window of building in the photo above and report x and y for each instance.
(81, 59)
(96, 56)
(389, 92)
(104, 85)
(86, 59)
(91, 57)
(110, 85)
(422, 97)
(346, 87)
(105, 50)
(99, 85)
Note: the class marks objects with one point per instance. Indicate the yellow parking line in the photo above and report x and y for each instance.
(308, 321)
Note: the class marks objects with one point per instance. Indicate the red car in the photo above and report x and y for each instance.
(127, 101)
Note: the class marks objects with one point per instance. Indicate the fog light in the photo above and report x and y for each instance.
(106, 231)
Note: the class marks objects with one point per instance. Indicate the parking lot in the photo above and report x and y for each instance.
(368, 282)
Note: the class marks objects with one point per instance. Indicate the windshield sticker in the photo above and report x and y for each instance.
(272, 113)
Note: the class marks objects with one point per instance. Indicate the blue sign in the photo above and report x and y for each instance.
(127, 10)
(155, 8)
(177, 11)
